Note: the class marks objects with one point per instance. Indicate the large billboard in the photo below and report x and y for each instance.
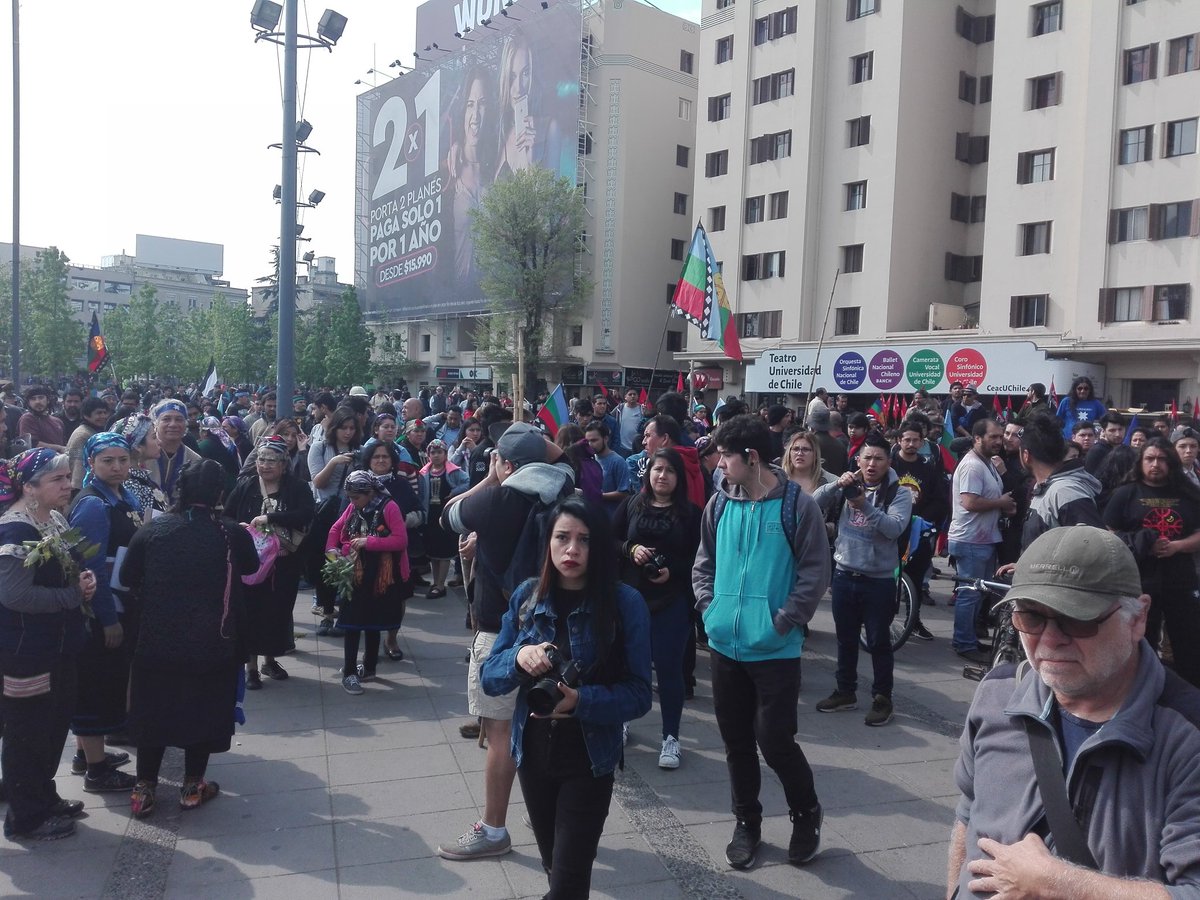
(433, 142)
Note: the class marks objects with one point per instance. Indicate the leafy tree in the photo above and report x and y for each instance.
(55, 341)
(348, 342)
(240, 349)
(527, 231)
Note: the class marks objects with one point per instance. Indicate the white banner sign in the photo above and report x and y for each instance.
(994, 368)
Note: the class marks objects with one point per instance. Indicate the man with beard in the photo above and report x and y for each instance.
(44, 429)
(95, 415)
(1099, 708)
(70, 414)
(1157, 515)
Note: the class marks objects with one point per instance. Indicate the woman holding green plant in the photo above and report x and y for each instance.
(44, 589)
(368, 567)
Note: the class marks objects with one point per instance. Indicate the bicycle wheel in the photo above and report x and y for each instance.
(904, 619)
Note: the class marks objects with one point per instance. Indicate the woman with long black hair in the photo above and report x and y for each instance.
(330, 459)
(186, 569)
(1080, 405)
(657, 531)
(566, 751)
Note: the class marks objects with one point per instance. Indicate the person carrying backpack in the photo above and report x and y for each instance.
(761, 569)
(508, 511)
(875, 513)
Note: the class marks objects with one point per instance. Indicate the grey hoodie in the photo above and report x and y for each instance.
(1068, 497)
(866, 538)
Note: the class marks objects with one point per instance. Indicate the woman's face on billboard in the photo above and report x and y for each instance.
(476, 112)
(520, 72)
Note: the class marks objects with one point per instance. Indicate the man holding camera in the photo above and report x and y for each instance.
(875, 511)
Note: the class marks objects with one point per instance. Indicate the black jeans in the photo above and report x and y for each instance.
(35, 731)
(1177, 608)
(861, 602)
(567, 804)
(755, 703)
(370, 651)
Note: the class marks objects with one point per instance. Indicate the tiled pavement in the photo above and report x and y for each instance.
(327, 795)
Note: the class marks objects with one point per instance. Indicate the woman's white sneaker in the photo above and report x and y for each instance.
(668, 757)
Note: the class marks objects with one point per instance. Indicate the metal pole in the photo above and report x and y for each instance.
(15, 339)
(287, 216)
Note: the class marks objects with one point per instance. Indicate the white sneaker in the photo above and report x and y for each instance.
(668, 757)
(624, 733)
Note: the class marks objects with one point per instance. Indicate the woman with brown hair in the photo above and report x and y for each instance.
(802, 462)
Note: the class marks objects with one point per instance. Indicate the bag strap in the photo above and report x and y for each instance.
(1069, 840)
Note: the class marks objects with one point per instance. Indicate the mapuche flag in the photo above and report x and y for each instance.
(700, 296)
(554, 412)
(97, 349)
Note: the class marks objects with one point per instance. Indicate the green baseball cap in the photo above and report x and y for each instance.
(1077, 570)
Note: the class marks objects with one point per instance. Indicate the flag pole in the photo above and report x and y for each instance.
(821, 338)
(112, 365)
(662, 342)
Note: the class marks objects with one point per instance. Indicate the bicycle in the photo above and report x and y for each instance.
(907, 610)
(1006, 646)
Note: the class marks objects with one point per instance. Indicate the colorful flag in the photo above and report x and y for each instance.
(679, 384)
(1008, 411)
(1053, 397)
(1133, 423)
(717, 408)
(555, 412)
(210, 377)
(701, 299)
(642, 397)
(97, 349)
(603, 389)
(876, 408)
(903, 408)
(1174, 412)
(997, 408)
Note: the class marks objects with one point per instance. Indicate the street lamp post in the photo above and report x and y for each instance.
(286, 355)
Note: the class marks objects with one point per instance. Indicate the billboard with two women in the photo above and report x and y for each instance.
(433, 141)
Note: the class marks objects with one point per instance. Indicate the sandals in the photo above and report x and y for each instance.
(435, 592)
(141, 801)
(196, 793)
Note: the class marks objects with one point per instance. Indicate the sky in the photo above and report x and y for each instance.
(152, 117)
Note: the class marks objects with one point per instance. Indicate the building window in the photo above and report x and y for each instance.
(760, 324)
(1172, 220)
(585, 143)
(852, 258)
(1131, 224)
(687, 61)
(671, 287)
(985, 88)
(426, 342)
(762, 30)
(1028, 310)
(967, 85)
(1046, 90)
(1181, 138)
(674, 341)
(681, 155)
(777, 207)
(755, 209)
(1182, 56)
(685, 109)
(722, 4)
(964, 269)
(856, 9)
(1035, 165)
(1171, 302)
(716, 163)
(1035, 238)
(859, 131)
(861, 67)
(771, 146)
(776, 25)
(757, 266)
(1127, 304)
(976, 29)
(1047, 17)
(978, 208)
(846, 320)
(773, 87)
(971, 149)
(716, 218)
(576, 335)
(1136, 145)
(681, 201)
(960, 208)
(719, 107)
(677, 248)
(856, 195)
(77, 305)
(1141, 63)
(724, 49)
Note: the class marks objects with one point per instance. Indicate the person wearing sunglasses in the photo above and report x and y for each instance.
(1122, 729)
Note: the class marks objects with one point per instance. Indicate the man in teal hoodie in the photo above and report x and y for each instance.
(761, 569)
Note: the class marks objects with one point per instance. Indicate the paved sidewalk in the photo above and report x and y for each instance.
(327, 795)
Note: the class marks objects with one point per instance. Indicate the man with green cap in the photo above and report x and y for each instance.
(1120, 728)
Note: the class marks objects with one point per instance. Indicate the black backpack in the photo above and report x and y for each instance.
(529, 552)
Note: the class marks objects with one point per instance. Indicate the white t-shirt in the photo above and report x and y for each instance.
(975, 475)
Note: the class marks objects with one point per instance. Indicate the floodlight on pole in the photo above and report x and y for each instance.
(303, 130)
(331, 26)
(264, 16)
(316, 197)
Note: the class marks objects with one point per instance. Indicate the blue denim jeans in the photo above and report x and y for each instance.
(971, 561)
(668, 639)
(861, 603)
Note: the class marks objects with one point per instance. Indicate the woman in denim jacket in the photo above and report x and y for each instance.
(566, 758)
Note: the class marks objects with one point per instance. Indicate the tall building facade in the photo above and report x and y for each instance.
(636, 157)
(931, 188)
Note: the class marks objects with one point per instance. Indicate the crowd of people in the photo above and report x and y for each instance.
(153, 544)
